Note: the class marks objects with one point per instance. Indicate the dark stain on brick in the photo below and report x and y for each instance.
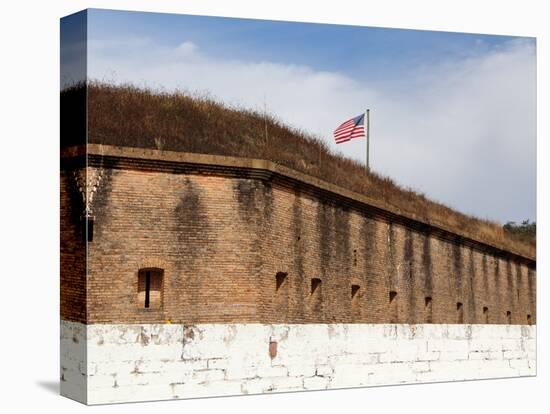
(392, 262)
(299, 281)
(254, 210)
(519, 285)
(267, 208)
(245, 191)
(265, 245)
(191, 223)
(409, 276)
(408, 246)
(531, 293)
(326, 230)
(194, 246)
(485, 271)
(427, 265)
(509, 285)
(339, 286)
(457, 270)
(325, 225)
(497, 290)
(372, 279)
(485, 292)
(471, 293)
(342, 238)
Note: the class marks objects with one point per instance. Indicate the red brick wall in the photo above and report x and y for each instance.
(309, 239)
(221, 239)
(72, 252)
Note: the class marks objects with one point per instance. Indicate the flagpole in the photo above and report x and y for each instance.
(367, 120)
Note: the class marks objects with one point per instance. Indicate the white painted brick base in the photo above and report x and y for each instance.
(154, 362)
(73, 368)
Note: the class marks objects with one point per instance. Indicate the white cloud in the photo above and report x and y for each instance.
(186, 49)
(462, 131)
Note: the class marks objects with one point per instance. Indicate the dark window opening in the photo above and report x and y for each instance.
(460, 312)
(355, 291)
(87, 224)
(393, 294)
(150, 288)
(528, 319)
(90, 229)
(315, 285)
(509, 317)
(316, 298)
(486, 314)
(280, 279)
(147, 288)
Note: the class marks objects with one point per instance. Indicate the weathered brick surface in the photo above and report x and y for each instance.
(72, 252)
(222, 237)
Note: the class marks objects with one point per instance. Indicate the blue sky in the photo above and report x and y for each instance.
(361, 52)
(453, 115)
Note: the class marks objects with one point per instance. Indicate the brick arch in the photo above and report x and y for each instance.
(152, 262)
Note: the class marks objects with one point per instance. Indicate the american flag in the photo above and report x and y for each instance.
(352, 128)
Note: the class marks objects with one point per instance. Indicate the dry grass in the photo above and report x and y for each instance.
(138, 117)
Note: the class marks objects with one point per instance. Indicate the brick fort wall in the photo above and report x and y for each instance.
(239, 243)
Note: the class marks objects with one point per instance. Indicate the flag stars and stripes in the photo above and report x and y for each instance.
(352, 128)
